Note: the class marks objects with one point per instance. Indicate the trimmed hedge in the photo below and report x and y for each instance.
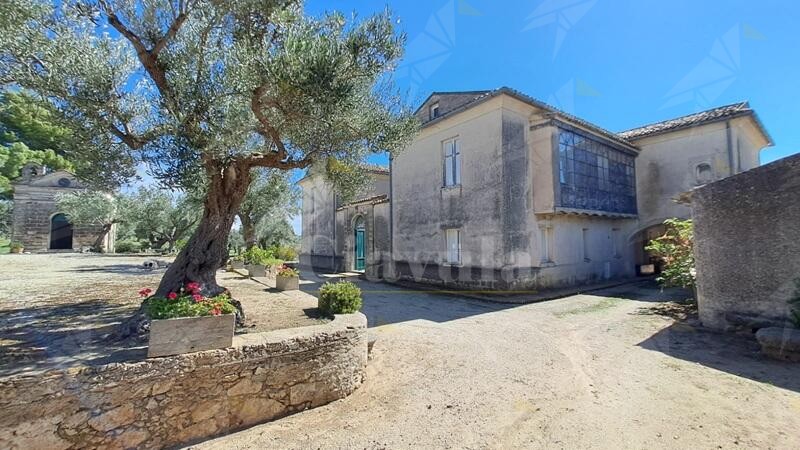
(342, 297)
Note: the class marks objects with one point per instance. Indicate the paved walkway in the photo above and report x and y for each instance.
(608, 370)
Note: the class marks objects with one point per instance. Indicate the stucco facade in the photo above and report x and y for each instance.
(37, 222)
(501, 191)
(327, 226)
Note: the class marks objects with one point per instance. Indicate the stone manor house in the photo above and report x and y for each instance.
(501, 191)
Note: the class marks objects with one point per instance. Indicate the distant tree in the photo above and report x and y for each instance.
(26, 119)
(5, 218)
(270, 197)
(28, 133)
(14, 157)
(163, 219)
(205, 91)
(94, 208)
(276, 231)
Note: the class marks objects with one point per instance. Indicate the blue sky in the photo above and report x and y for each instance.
(617, 63)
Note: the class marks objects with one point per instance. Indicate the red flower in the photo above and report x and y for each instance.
(197, 298)
(145, 292)
(172, 296)
(193, 287)
(216, 311)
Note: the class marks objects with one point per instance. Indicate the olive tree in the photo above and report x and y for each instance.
(203, 92)
(92, 208)
(271, 198)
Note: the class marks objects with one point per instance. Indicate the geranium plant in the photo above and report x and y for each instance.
(288, 272)
(187, 302)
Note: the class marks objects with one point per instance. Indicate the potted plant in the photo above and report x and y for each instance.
(342, 297)
(16, 247)
(186, 321)
(255, 261)
(287, 279)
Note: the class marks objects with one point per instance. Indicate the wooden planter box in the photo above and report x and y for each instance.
(237, 265)
(190, 334)
(256, 270)
(287, 283)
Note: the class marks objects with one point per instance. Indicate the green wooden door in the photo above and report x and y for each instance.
(361, 260)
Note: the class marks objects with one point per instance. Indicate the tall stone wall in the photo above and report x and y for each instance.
(164, 402)
(747, 245)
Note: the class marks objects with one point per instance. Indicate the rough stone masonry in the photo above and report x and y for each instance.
(747, 246)
(164, 402)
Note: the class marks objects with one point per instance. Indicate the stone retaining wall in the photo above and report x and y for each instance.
(747, 242)
(164, 402)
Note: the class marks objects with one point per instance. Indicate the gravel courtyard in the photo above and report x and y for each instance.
(620, 368)
(614, 370)
(59, 310)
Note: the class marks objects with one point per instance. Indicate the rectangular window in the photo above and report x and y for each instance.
(585, 240)
(453, 244)
(452, 162)
(434, 111)
(547, 244)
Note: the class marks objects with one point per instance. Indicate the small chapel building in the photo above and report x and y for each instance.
(37, 222)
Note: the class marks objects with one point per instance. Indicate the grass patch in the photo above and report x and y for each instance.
(606, 303)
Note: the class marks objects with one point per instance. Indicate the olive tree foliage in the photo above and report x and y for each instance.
(162, 218)
(94, 208)
(202, 92)
(270, 198)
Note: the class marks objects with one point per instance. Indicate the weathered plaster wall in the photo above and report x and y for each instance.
(164, 402)
(747, 242)
(318, 223)
(319, 246)
(606, 255)
(376, 224)
(666, 165)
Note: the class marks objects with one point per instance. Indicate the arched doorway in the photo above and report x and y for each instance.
(60, 233)
(360, 260)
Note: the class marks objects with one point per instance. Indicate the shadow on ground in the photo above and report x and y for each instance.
(388, 304)
(122, 269)
(732, 353)
(52, 336)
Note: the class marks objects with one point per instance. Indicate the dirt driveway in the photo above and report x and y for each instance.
(609, 370)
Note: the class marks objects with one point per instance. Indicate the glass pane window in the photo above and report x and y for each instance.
(452, 162)
(594, 175)
(453, 245)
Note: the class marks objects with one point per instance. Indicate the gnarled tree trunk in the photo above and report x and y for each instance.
(98, 246)
(207, 249)
(248, 231)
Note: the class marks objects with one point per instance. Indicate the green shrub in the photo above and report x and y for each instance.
(342, 297)
(128, 246)
(188, 302)
(284, 252)
(16, 245)
(795, 303)
(260, 256)
(675, 250)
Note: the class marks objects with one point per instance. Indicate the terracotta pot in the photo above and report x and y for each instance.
(190, 334)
